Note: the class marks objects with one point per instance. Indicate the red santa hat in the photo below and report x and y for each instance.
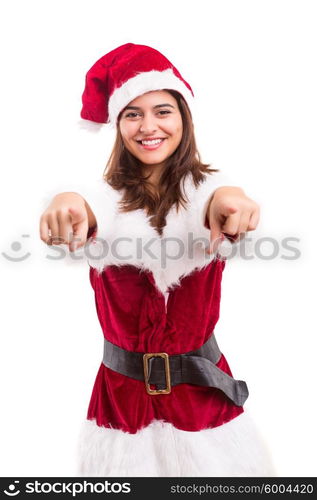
(124, 74)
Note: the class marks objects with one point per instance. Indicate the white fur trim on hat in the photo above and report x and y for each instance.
(142, 83)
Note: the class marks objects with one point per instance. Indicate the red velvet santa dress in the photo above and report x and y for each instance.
(161, 294)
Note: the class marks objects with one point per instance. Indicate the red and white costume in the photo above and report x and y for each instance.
(156, 294)
(145, 306)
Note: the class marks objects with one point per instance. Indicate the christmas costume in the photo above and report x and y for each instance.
(149, 301)
(157, 294)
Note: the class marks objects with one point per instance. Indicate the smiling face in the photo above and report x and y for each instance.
(151, 128)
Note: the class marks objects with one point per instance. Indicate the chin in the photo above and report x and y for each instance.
(152, 161)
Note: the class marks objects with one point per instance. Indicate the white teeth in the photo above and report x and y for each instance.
(149, 143)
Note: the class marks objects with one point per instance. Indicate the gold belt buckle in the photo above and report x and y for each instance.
(163, 355)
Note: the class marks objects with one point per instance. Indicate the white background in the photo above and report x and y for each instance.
(252, 66)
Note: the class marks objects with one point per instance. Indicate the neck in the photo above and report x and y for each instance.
(154, 172)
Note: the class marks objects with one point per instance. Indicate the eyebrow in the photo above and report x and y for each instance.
(154, 107)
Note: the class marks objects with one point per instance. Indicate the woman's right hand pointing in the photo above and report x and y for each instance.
(66, 221)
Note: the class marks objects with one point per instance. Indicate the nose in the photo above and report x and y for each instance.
(148, 123)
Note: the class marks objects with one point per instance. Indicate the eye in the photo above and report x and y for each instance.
(165, 111)
(132, 114)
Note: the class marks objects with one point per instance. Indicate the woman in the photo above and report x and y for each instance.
(164, 402)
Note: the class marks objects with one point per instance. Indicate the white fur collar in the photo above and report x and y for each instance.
(128, 238)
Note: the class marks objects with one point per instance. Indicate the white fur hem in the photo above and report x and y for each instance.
(234, 449)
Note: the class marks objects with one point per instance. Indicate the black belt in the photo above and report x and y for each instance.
(158, 368)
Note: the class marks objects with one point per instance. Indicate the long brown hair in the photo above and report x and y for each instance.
(123, 172)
